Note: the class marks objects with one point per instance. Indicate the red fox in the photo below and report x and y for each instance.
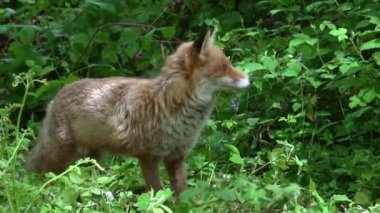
(150, 119)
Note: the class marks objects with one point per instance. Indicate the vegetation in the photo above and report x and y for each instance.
(304, 138)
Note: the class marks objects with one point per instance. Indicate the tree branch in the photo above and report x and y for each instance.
(101, 28)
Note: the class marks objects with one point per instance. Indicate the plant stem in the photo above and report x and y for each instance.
(27, 85)
(11, 206)
(19, 141)
(357, 50)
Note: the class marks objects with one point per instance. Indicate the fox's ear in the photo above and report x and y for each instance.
(202, 45)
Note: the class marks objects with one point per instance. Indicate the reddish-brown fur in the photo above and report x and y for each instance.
(154, 119)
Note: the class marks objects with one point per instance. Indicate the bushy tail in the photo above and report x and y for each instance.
(35, 158)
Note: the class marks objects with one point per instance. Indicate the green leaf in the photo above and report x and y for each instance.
(229, 124)
(327, 24)
(168, 32)
(302, 43)
(285, 143)
(314, 82)
(296, 42)
(362, 198)
(212, 124)
(252, 121)
(227, 195)
(79, 41)
(236, 159)
(376, 57)
(271, 76)
(252, 33)
(249, 67)
(26, 36)
(370, 95)
(270, 63)
(276, 105)
(234, 154)
(349, 68)
(275, 11)
(232, 148)
(296, 106)
(340, 33)
(127, 36)
(23, 52)
(301, 38)
(147, 43)
(315, 6)
(327, 76)
(143, 201)
(70, 195)
(307, 51)
(314, 192)
(102, 5)
(28, 1)
(275, 154)
(95, 191)
(51, 86)
(105, 180)
(340, 198)
(110, 52)
(30, 63)
(356, 101)
(71, 78)
(132, 49)
(157, 210)
(347, 6)
(166, 209)
(163, 195)
(293, 69)
(45, 70)
(76, 178)
(372, 44)
(226, 37)
(374, 20)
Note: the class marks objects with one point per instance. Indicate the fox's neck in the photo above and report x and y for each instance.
(178, 93)
(186, 106)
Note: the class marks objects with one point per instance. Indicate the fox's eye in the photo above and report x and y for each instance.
(224, 66)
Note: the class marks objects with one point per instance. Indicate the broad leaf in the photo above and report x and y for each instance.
(372, 44)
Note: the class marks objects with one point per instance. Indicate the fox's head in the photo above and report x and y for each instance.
(215, 67)
(202, 62)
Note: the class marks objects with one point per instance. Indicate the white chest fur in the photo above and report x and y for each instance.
(183, 129)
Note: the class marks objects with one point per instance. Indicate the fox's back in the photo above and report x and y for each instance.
(93, 95)
(90, 112)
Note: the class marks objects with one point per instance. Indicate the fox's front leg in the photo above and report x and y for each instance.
(150, 169)
(177, 173)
